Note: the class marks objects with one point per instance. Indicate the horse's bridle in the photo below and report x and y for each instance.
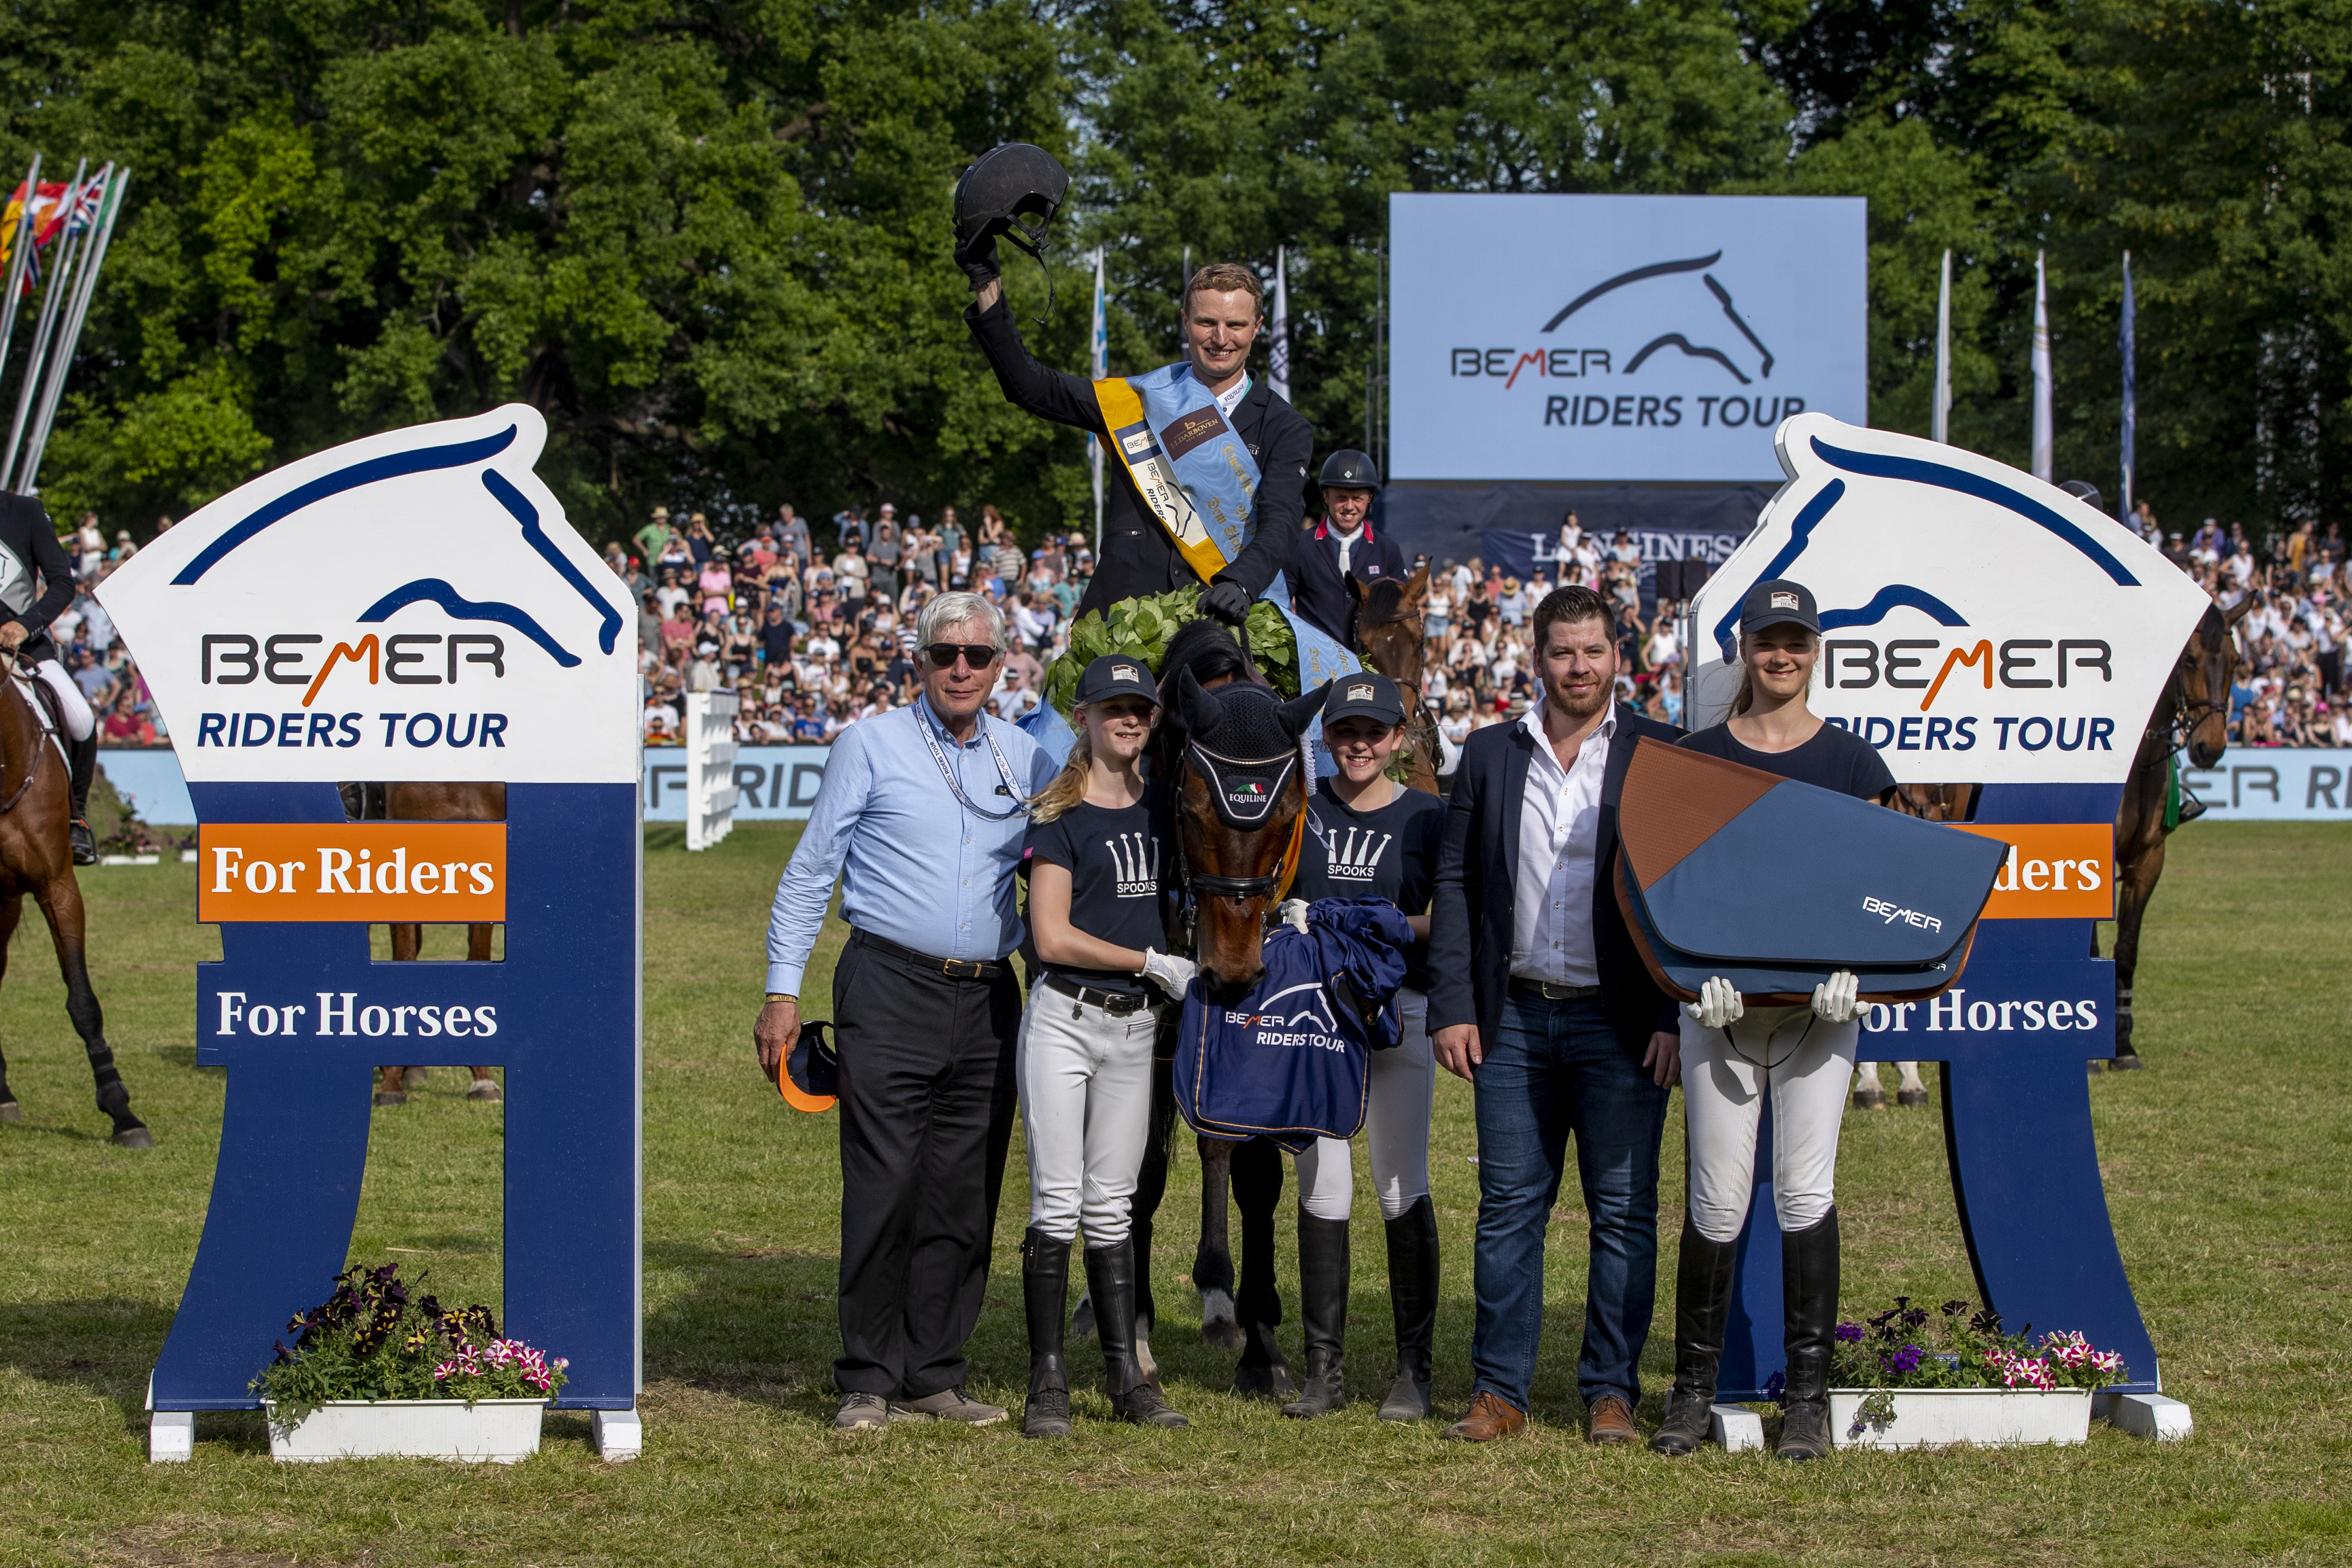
(12, 674)
(1273, 886)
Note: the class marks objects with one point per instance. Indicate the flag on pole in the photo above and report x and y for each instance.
(1277, 353)
(2131, 393)
(1100, 340)
(2043, 441)
(1941, 420)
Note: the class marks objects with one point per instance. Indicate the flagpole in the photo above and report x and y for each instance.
(1940, 421)
(51, 298)
(1182, 284)
(1101, 357)
(2131, 391)
(61, 361)
(2043, 441)
(20, 245)
(1277, 353)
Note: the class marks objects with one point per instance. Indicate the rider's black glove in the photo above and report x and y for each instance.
(1229, 602)
(977, 257)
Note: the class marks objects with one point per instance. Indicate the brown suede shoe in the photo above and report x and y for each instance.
(1613, 1421)
(1491, 1417)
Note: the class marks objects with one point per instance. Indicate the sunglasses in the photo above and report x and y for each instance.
(978, 656)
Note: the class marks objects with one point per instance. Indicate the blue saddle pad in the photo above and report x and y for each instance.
(1774, 884)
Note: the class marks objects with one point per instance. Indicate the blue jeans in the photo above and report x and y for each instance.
(1557, 1068)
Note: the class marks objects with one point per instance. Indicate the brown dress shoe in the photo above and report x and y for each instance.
(1613, 1421)
(1491, 1417)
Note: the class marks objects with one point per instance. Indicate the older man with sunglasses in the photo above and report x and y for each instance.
(921, 815)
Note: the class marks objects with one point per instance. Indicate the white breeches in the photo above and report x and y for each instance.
(1403, 1084)
(79, 720)
(1086, 1109)
(1723, 1100)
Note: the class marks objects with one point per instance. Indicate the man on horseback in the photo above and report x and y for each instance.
(36, 585)
(1141, 552)
(1343, 545)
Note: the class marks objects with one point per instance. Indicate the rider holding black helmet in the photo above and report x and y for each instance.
(1342, 545)
(1221, 310)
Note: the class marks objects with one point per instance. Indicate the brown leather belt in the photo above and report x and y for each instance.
(953, 968)
(1550, 991)
(1117, 1004)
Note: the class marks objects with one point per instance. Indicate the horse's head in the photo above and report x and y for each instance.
(1388, 624)
(1240, 800)
(2208, 664)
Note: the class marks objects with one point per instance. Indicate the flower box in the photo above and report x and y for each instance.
(496, 1431)
(1985, 1417)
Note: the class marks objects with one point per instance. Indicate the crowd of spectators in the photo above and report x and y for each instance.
(91, 651)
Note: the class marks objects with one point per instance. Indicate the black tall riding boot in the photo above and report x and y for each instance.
(1702, 1311)
(1045, 1286)
(1323, 1310)
(1110, 1276)
(1808, 1297)
(1412, 1297)
(83, 756)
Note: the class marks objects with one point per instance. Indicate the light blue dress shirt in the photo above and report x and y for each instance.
(916, 868)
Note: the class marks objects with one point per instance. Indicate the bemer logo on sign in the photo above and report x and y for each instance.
(406, 606)
(1572, 337)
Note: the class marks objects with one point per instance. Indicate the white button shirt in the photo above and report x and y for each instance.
(1559, 823)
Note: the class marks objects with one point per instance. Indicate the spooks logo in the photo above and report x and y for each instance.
(1298, 1017)
(1135, 857)
(1350, 854)
(2025, 639)
(412, 606)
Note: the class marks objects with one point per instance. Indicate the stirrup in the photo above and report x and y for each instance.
(83, 841)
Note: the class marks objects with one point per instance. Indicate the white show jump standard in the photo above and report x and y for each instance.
(709, 767)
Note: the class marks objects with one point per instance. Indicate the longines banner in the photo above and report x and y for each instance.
(1559, 337)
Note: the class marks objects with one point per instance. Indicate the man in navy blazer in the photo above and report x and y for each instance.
(1538, 997)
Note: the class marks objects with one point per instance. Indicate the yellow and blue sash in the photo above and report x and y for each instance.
(1196, 474)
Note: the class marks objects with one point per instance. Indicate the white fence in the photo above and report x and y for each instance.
(709, 767)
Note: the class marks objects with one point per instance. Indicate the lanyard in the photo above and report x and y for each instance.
(1019, 807)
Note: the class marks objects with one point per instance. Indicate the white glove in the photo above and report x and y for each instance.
(1292, 912)
(1834, 999)
(1168, 972)
(1719, 1005)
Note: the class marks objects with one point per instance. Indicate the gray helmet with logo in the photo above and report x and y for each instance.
(1013, 190)
(1350, 471)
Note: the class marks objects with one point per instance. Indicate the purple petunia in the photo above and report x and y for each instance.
(1849, 1333)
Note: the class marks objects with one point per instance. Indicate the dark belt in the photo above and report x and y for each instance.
(1117, 1004)
(1550, 991)
(953, 968)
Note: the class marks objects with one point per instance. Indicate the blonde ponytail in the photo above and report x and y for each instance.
(1070, 785)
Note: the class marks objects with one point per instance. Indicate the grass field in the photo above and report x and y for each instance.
(2229, 1166)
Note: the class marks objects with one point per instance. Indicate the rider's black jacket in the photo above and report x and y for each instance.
(26, 533)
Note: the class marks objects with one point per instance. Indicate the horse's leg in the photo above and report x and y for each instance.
(1913, 1090)
(1867, 1094)
(1257, 1189)
(477, 949)
(1213, 1260)
(407, 941)
(1150, 1186)
(61, 904)
(2131, 907)
(12, 910)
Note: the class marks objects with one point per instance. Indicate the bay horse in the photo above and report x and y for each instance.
(429, 803)
(36, 857)
(1386, 624)
(2192, 709)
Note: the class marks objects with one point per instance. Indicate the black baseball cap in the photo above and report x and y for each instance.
(1117, 675)
(1368, 694)
(1776, 601)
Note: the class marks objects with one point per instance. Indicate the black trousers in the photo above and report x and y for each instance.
(927, 1103)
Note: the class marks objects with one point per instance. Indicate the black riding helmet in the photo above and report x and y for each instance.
(1350, 471)
(1005, 186)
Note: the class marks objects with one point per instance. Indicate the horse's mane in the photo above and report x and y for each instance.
(1383, 602)
(1208, 649)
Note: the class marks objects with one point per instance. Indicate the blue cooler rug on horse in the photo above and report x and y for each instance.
(1774, 884)
(1288, 1059)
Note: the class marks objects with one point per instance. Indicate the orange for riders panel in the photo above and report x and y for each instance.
(449, 872)
(2056, 870)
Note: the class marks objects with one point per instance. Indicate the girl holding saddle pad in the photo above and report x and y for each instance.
(1370, 837)
(1099, 838)
(1805, 1054)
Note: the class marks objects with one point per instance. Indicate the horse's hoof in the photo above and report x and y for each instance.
(11, 1111)
(389, 1096)
(1265, 1383)
(2127, 1062)
(1910, 1097)
(134, 1138)
(485, 1090)
(413, 1078)
(1082, 1318)
(1870, 1100)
